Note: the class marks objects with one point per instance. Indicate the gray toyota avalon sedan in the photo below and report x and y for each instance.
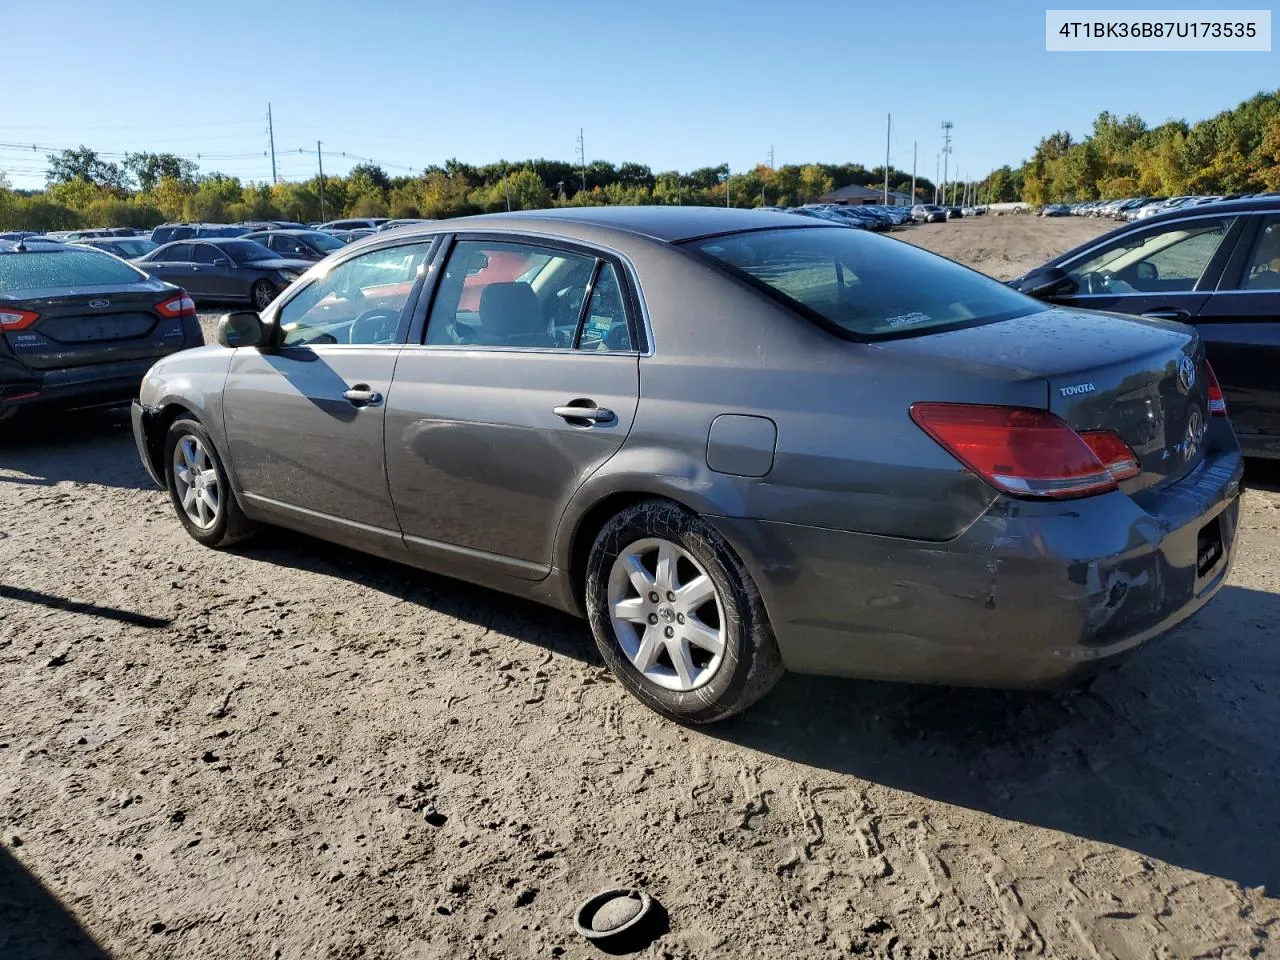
(737, 442)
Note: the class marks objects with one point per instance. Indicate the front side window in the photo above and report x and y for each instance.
(206, 253)
(865, 286)
(1168, 259)
(358, 301)
(1262, 270)
(502, 294)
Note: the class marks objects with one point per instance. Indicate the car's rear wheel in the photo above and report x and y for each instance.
(262, 293)
(677, 616)
(198, 486)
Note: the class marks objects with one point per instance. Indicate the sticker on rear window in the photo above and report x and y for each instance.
(597, 326)
(915, 316)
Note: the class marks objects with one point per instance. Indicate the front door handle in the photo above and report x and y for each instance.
(1168, 313)
(585, 411)
(361, 396)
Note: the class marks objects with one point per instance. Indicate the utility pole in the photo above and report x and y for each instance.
(914, 145)
(771, 156)
(946, 154)
(320, 165)
(888, 130)
(582, 158)
(726, 185)
(937, 175)
(271, 138)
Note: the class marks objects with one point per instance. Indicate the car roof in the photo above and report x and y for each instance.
(669, 224)
(287, 231)
(42, 243)
(1241, 206)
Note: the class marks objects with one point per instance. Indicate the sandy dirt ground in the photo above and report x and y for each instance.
(295, 751)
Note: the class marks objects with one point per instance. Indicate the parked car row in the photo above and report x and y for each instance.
(1139, 208)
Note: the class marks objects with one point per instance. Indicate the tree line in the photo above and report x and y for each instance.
(144, 189)
(1236, 151)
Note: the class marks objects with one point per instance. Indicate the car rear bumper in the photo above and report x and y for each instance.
(94, 385)
(1030, 595)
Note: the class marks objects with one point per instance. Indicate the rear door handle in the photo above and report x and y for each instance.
(592, 413)
(361, 396)
(1168, 313)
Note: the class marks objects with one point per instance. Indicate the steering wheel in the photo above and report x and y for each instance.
(1099, 282)
(374, 326)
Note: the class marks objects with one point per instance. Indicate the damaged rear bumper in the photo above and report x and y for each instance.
(1031, 594)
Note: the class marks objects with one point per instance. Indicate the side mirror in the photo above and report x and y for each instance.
(222, 262)
(1045, 282)
(243, 328)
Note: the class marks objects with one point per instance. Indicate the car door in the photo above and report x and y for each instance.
(521, 390)
(304, 419)
(172, 263)
(213, 273)
(1166, 270)
(1240, 325)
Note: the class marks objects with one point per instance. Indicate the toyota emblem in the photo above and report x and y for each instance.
(99, 304)
(1186, 374)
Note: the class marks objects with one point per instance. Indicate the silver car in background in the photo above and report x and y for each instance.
(735, 441)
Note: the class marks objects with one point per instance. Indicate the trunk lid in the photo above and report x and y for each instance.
(1141, 378)
(95, 325)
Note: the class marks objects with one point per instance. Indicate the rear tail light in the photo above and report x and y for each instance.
(1217, 402)
(180, 306)
(1024, 452)
(17, 319)
(1116, 455)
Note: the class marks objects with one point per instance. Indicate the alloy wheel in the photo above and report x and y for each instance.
(195, 480)
(666, 614)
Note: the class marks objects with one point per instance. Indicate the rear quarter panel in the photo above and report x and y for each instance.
(848, 455)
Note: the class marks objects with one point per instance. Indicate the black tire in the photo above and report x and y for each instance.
(229, 524)
(751, 663)
(261, 294)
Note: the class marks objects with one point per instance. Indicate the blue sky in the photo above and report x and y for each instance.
(670, 84)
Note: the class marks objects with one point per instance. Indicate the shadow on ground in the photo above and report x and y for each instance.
(522, 619)
(84, 446)
(1174, 754)
(34, 925)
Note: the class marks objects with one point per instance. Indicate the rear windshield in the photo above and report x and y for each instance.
(63, 268)
(864, 285)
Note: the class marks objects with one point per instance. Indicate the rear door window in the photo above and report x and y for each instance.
(174, 253)
(512, 295)
(1262, 269)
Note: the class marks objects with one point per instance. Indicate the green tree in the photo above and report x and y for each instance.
(81, 163)
(148, 169)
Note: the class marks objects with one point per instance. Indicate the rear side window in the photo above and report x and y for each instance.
(63, 268)
(863, 285)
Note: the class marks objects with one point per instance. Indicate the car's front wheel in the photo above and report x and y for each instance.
(198, 486)
(676, 615)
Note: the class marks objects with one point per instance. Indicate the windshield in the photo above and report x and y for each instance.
(63, 268)
(324, 241)
(246, 251)
(866, 286)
